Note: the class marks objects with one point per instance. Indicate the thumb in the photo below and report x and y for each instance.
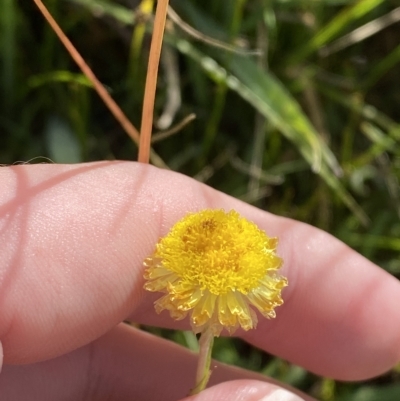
(246, 390)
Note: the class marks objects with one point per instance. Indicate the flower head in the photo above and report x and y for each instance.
(215, 265)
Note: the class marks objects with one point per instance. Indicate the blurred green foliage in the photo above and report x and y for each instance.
(297, 113)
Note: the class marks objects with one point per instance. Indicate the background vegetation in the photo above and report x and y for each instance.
(297, 113)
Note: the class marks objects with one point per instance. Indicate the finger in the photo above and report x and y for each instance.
(77, 235)
(340, 317)
(245, 390)
(70, 238)
(126, 364)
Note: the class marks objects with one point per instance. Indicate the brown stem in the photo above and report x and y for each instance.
(151, 81)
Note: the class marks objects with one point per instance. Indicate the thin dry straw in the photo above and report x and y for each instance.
(151, 81)
(102, 92)
(107, 99)
(128, 127)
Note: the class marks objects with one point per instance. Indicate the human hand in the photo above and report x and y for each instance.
(73, 240)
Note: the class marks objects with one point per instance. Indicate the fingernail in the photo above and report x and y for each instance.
(281, 395)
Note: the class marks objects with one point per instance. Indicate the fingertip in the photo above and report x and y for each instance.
(245, 390)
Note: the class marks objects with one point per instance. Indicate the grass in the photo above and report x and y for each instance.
(307, 129)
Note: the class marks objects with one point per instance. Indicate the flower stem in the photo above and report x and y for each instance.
(203, 373)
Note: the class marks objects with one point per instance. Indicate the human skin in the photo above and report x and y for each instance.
(72, 243)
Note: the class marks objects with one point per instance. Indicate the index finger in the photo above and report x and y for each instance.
(76, 238)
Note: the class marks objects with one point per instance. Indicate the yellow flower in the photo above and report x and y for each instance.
(215, 265)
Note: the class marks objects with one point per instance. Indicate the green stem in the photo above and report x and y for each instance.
(203, 365)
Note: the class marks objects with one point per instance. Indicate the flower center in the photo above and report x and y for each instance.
(219, 252)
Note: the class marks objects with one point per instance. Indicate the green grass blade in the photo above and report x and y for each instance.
(382, 67)
(59, 76)
(99, 7)
(266, 94)
(335, 27)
